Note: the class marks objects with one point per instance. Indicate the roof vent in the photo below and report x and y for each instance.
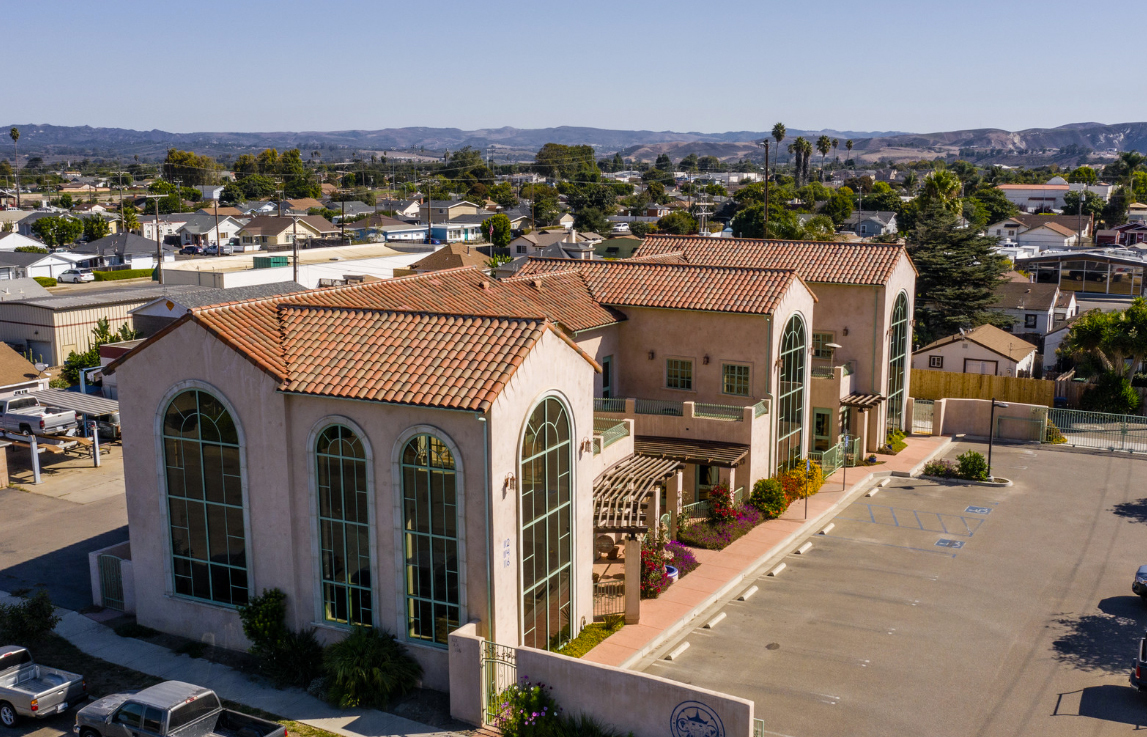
(484, 285)
(537, 283)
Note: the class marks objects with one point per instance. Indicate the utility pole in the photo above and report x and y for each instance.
(158, 241)
(766, 234)
(295, 243)
(218, 238)
(15, 135)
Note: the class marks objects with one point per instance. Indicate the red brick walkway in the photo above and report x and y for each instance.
(686, 599)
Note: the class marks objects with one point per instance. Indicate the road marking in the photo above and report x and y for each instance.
(777, 570)
(676, 653)
(713, 622)
(827, 528)
(802, 549)
(978, 510)
(947, 543)
(890, 545)
(920, 520)
(749, 592)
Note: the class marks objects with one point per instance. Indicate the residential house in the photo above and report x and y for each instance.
(224, 211)
(871, 223)
(328, 189)
(619, 247)
(204, 230)
(255, 208)
(350, 209)
(17, 265)
(457, 232)
(384, 228)
(210, 191)
(12, 240)
(1036, 197)
(301, 205)
(24, 226)
(1127, 234)
(437, 211)
(1028, 230)
(542, 242)
(169, 225)
(400, 208)
(265, 231)
(451, 256)
(18, 375)
(655, 210)
(1066, 308)
(1030, 306)
(1137, 213)
(123, 249)
(88, 208)
(982, 350)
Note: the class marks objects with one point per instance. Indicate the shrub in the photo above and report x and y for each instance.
(287, 658)
(1112, 393)
(797, 482)
(591, 635)
(681, 557)
(45, 281)
(123, 274)
(721, 504)
(654, 578)
(973, 466)
(28, 621)
(941, 468)
(769, 498)
(1053, 435)
(705, 534)
(527, 709)
(894, 441)
(370, 668)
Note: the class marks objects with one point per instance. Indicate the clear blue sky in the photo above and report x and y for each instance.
(912, 65)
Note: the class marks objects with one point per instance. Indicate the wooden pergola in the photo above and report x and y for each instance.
(621, 491)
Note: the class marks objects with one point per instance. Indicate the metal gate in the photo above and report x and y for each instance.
(111, 582)
(1097, 430)
(499, 672)
(922, 416)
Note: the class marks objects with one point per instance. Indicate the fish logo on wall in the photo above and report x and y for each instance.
(694, 719)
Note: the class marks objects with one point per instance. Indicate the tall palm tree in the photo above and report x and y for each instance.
(806, 147)
(823, 145)
(14, 134)
(943, 186)
(848, 147)
(778, 136)
(835, 143)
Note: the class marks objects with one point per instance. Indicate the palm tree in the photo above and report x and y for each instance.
(806, 151)
(14, 134)
(848, 146)
(835, 143)
(823, 145)
(778, 136)
(943, 186)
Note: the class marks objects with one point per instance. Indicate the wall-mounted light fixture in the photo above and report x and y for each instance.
(652, 355)
(705, 360)
(845, 331)
(511, 483)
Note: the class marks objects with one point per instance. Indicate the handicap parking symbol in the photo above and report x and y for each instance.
(946, 543)
(977, 510)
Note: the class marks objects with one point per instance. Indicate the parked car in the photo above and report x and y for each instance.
(169, 708)
(1139, 585)
(27, 415)
(34, 691)
(191, 250)
(76, 275)
(1139, 666)
(213, 250)
(620, 228)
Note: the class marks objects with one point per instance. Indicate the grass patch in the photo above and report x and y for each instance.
(131, 629)
(592, 635)
(45, 281)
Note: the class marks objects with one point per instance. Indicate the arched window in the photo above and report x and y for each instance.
(344, 527)
(898, 355)
(430, 535)
(205, 499)
(790, 395)
(547, 539)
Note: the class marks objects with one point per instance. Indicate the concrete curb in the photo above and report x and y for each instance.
(756, 569)
(967, 482)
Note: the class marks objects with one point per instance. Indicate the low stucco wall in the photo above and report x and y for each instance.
(466, 674)
(127, 574)
(973, 417)
(633, 702)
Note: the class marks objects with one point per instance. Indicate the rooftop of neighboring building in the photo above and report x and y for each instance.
(120, 244)
(1025, 296)
(990, 337)
(14, 368)
(452, 256)
(102, 297)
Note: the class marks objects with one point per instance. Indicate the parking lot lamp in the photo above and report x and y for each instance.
(992, 431)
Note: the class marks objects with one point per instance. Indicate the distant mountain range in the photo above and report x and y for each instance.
(518, 143)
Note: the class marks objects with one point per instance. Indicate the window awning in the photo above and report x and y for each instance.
(691, 451)
(86, 404)
(862, 401)
(621, 490)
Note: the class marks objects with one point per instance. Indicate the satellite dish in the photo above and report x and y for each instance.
(40, 366)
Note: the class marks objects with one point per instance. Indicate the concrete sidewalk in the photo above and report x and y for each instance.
(721, 571)
(100, 641)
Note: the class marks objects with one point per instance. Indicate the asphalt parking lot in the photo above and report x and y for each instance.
(933, 609)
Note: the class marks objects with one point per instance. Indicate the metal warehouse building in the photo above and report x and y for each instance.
(52, 327)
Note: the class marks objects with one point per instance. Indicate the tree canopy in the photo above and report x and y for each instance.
(58, 230)
(497, 230)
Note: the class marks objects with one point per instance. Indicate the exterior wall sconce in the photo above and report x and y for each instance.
(845, 331)
(586, 445)
(652, 355)
(511, 483)
(705, 360)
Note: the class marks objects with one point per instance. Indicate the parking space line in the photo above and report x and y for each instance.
(890, 545)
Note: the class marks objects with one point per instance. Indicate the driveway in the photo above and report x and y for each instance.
(949, 610)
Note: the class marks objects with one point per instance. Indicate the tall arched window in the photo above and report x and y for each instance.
(547, 539)
(430, 539)
(790, 394)
(344, 527)
(898, 355)
(205, 499)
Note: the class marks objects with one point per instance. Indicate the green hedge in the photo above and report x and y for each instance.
(124, 274)
(45, 281)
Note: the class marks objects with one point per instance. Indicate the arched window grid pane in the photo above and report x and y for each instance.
(205, 500)
(546, 535)
(790, 401)
(898, 356)
(344, 528)
(430, 540)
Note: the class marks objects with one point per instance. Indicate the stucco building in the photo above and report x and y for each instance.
(444, 448)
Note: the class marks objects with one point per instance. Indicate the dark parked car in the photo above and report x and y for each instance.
(191, 250)
(168, 709)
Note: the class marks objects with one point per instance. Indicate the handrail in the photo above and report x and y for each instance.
(609, 430)
(608, 404)
(728, 412)
(659, 407)
(761, 408)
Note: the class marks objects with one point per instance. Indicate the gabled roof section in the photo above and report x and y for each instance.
(566, 299)
(676, 286)
(452, 256)
(815, 261)
(990, 337)
(433, 360)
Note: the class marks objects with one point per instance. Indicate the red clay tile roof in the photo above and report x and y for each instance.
(565, 298)
(454, 361)
(833, 263)
(676, 286)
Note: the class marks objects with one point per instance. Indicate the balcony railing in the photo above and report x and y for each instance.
(608, 404)
(719, 412)
(828, 372)
(659, 407)
(607, 432)
(761, 408)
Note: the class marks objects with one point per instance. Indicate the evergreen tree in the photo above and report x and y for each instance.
(958, 277)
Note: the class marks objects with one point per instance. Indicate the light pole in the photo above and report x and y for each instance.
(991, 431)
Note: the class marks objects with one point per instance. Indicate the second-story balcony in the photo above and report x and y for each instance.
(842, 374)
(696, 420)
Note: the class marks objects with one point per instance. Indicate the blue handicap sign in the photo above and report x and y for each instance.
(946, 543)
(978, 510)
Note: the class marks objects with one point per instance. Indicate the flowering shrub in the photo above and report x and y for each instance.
(1053, 435)
(654, 578)
(715, 536)
(941, 468)
(527, 709)
(769, 498)
(721, 504)
(681, 557)
(796, 482)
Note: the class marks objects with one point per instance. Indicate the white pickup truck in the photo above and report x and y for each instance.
(26, 415)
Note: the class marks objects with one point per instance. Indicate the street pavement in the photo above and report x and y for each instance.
(944, 609)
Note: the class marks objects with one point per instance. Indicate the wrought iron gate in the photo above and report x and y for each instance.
(499, 672)
(1097, 430)
(922, 410)
(111, 582)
